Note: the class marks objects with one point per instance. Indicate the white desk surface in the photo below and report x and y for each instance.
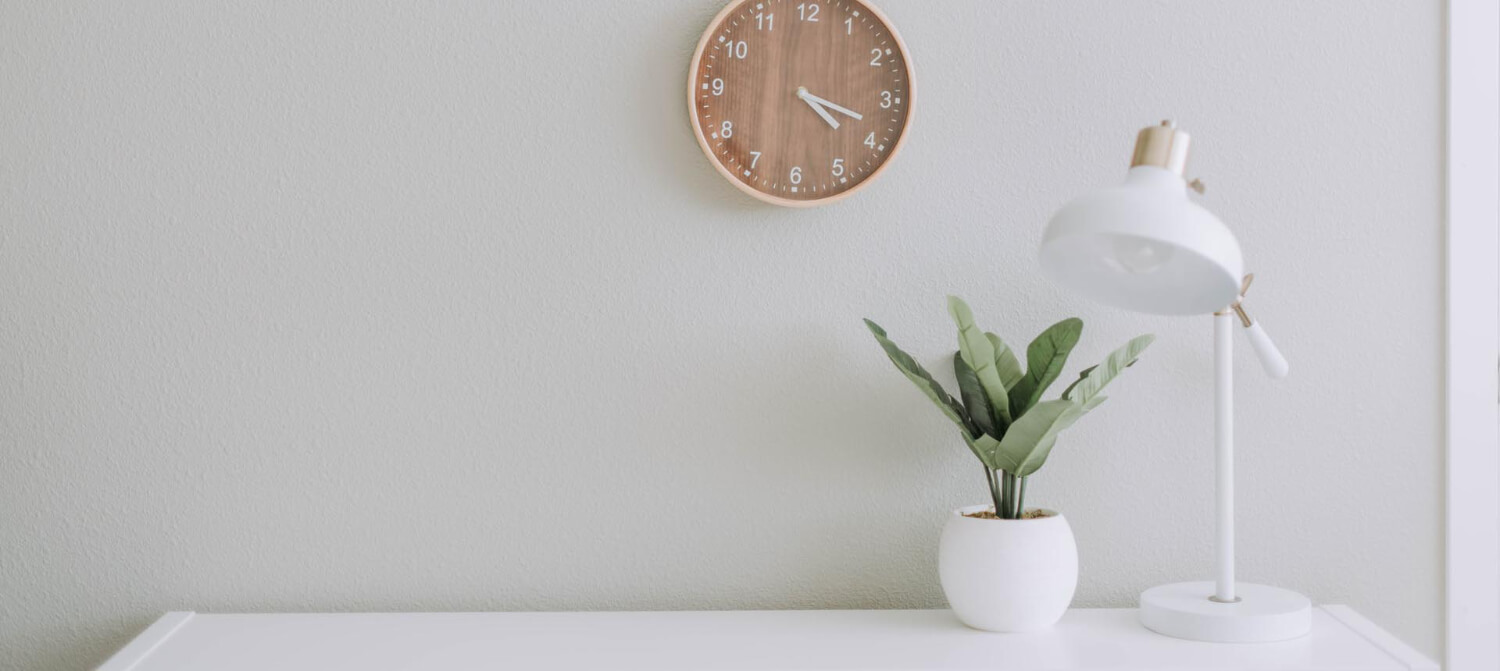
(1111, 639)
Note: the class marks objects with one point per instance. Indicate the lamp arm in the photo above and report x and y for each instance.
(1270, 356)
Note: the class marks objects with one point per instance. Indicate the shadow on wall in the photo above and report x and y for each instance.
(841, 435)
(666, 153)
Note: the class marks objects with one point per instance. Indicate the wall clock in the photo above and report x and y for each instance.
(800, 103)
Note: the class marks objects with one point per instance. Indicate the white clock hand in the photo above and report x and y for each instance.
(802, 93)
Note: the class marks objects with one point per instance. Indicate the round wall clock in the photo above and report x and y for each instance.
(800, 103)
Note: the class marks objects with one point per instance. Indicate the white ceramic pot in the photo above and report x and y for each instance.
(1008, 575)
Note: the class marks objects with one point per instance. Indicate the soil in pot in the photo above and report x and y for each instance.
(1034, 513)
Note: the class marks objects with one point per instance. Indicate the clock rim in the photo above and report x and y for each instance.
(692, 91)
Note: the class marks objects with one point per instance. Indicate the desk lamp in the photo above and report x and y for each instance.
(1145, 246)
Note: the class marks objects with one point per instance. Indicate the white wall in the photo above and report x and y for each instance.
(341, 305)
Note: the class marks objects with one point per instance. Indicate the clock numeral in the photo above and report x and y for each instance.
(726, 130)
(718, 86)
(796, 176)
(738, 49)
(754, 158)
(808, 11)
(849, 26)
(838, 167)
(765, 22)
(870, 140)
(873, 61)
(885, 100)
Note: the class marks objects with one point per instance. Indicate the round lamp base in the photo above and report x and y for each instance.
(1262, 614)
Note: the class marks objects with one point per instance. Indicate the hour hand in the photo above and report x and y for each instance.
(803, 94)
(807, 98)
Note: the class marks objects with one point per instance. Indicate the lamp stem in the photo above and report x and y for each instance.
(1224, 456)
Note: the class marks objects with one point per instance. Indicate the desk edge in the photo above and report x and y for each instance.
(1381, 638)
(141, 647)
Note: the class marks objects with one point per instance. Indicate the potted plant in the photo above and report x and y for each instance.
(1005, 567)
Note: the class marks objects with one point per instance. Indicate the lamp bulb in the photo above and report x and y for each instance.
(1140, 257)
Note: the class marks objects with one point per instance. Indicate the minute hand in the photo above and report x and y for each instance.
(837, 108)
(832, 122)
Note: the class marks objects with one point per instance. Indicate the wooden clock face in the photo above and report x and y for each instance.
(797, 102)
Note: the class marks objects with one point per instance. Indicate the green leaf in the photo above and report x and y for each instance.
(1093, 380)
(1005, 362)
(1028, 441)
(1094, 403)
(1082, 375)
(985, 447)
(973, 396)
(1045, 358)
(976, 350)
(923, 380)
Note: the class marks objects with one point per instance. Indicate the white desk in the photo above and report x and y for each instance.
(855, 639)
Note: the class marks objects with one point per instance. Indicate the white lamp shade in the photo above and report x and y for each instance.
(1144, 246)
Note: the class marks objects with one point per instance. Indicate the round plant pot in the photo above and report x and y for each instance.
(1008, 575)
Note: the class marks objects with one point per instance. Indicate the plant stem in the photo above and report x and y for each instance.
(1021, 500)
(1008, 488)
(989, 475)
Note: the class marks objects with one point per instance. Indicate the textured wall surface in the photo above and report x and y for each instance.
(408, 305)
